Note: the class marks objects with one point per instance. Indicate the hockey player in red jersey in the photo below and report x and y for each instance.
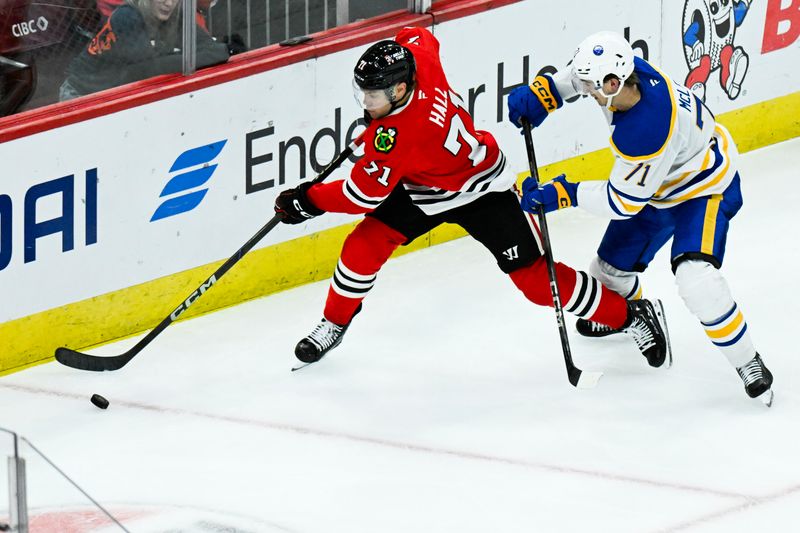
(424, 164)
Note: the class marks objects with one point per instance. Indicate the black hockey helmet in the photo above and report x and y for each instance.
(383, 65)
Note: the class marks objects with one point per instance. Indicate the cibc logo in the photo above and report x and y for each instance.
(21, 29)
(196, 169)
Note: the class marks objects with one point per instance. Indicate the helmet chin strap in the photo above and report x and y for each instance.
(610, 97)
(393, 99)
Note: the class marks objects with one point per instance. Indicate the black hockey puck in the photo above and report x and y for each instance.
(99, 401)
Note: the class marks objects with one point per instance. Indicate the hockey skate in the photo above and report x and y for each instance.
(648, 329)
(757, 380)
(589, 328)
(325, 337)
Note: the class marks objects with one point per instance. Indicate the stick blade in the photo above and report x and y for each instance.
(588, 380)
(92, 363)
(582, 379)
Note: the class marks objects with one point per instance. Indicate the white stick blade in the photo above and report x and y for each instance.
(588, 380)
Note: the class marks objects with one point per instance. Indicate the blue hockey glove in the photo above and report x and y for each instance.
(534, 101)
(556, 194)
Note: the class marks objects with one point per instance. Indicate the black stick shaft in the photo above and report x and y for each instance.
(232, 260)
(207, 284)
(83, 361)
(572, 372)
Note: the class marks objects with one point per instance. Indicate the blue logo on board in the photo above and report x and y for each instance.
(197, 170)
(598, 50)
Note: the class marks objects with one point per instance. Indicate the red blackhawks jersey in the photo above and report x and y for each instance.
(429, 145)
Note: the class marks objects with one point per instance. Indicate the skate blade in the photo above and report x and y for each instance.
(766, 398)
(662, 318)
(303, 365)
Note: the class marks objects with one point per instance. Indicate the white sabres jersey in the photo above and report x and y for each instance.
(668, 149)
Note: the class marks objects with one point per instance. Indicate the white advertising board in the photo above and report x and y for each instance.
(122, 199)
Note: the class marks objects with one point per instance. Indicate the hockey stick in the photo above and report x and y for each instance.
(578, 377)
(84, 361)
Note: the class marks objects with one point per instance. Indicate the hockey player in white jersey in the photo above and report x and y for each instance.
(674, 176)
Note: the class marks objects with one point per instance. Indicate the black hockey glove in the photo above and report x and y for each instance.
(294, 207)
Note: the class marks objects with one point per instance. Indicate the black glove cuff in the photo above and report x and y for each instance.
(307, 204)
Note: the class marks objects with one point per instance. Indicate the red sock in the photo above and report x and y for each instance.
(364, 252)
(580, 294)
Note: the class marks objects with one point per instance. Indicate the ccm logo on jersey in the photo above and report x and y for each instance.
(541, 88)
(384, 139)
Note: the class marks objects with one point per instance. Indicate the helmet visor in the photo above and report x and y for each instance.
(587, 87)
(372, 99)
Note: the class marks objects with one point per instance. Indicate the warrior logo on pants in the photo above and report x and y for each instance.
(709, 30)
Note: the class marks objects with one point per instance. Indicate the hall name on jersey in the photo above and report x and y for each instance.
(438, 110)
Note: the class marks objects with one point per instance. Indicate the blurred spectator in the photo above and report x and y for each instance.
(107, 7)
(143, 38)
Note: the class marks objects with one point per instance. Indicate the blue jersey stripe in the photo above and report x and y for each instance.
(721, 319)
(629, 196)
(702, 176)
(614, 205)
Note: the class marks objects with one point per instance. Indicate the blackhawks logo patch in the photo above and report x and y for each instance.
(385, 139)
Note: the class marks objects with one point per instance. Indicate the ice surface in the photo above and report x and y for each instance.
(447, 407)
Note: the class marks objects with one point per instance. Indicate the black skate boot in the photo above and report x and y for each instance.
(588, 328)
(757, 380)
(325, 337)
(648, 328)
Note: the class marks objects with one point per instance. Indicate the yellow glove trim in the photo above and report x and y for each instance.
(541, 88)
(563, 197)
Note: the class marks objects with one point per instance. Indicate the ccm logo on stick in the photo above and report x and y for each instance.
(192, 297)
